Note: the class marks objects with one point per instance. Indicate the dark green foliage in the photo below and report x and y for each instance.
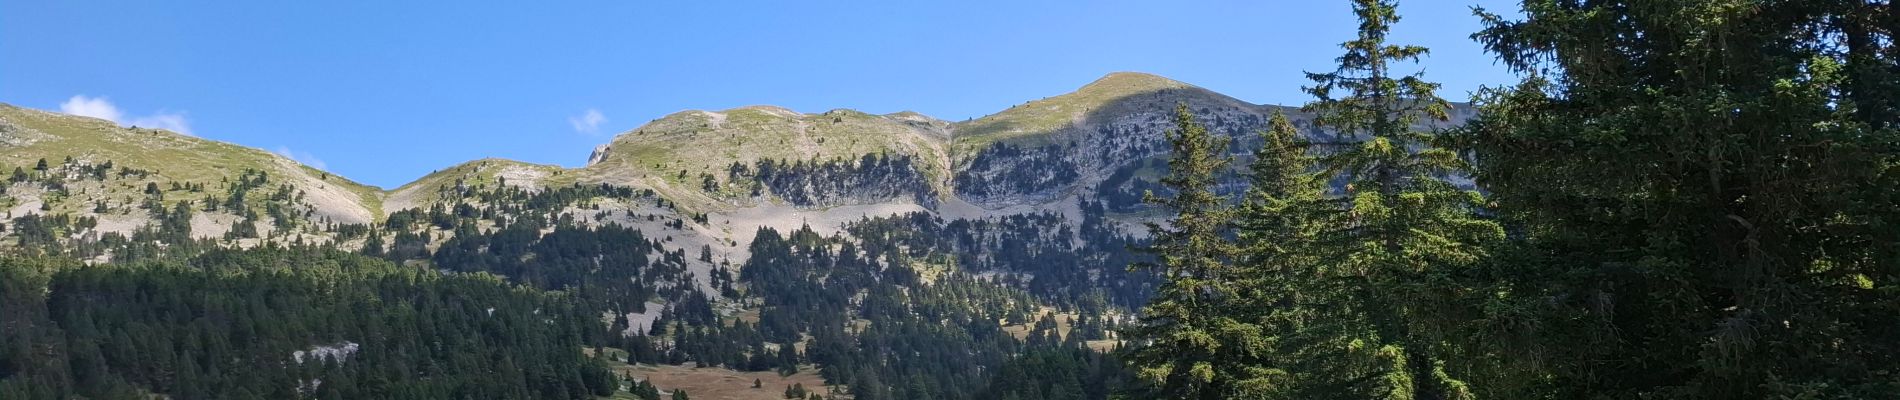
(1326, 295)
(229, 323)
(1410, 228)
(1046, 254)
(1196, 346)
(918, 340)
(1704, 194)
(611, 264)
(1281, 222)
(644, 390)
(1058, 373)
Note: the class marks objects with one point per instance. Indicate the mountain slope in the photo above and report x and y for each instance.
(675, 154)
(454, 182)
(1070, 144)
(98, 169)
(1033, 121)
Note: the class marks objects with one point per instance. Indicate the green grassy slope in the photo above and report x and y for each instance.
(488, 172)
(27, 136)
(1029, 123)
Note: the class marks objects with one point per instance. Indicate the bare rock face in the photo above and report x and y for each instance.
(600, 154)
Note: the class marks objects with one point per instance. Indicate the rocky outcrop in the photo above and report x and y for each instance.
(599, 154)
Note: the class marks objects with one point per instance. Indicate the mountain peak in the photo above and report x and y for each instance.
(1126, 82)
(1049, 114)
(768, 109)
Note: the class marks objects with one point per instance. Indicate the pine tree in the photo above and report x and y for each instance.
(1196, 344)
(1406, 227)
(787, 360)
(373, 246)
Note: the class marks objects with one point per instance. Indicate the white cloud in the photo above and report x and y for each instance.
(588, 122)
(174, 122)
(96, 107)
(303, 157)
(99, 107)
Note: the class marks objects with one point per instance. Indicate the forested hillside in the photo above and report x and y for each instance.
(287, 323)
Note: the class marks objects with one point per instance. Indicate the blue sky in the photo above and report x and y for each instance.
(386, 91)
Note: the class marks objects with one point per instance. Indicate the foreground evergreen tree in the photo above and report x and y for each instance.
(1706, 193)
(1192, 341)
(1285, 202)
(1408, 229)
(1279, 223)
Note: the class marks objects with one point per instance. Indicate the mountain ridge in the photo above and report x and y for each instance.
(735, 168)
(963, 130)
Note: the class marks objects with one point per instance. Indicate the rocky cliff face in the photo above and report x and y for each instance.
(599, 154)
(1070, 144)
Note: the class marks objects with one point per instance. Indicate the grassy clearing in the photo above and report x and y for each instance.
(713, 383)
(1021, 331)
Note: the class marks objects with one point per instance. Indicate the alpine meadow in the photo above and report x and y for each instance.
(1649, 199)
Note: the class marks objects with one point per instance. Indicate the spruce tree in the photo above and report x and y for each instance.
(1705, 195)
(1195, 343)
(1278, 224)
(1406, 226)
